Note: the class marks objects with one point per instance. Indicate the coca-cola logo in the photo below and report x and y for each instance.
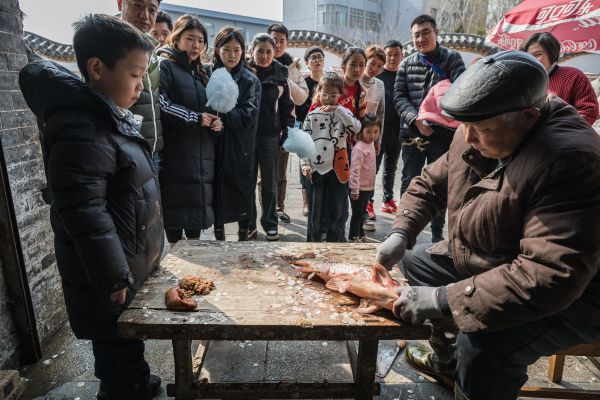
(509, 42)
(562, 11)
(571, 46)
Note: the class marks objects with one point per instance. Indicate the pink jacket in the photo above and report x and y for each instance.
(430, 107)
(362, 167)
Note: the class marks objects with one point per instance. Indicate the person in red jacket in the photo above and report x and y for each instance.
(568, 83)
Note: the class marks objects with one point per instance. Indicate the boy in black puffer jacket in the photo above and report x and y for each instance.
(105, 199)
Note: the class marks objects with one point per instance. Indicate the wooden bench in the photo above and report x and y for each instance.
(555, 371)
(257, 297)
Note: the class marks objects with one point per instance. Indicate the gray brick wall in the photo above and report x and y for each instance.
(22, 152)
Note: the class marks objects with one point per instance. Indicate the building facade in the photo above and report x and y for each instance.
(360, 22)
(213, 21)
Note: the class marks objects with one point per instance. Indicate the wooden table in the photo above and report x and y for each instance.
(258, 296)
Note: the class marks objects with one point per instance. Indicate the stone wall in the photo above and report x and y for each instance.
(19, 135)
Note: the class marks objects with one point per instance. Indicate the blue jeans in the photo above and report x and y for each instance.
(413, 161)
(490, 365)
(326, 195)
(266, 158)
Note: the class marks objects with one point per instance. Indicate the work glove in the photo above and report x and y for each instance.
(418, 303)
(391, 250)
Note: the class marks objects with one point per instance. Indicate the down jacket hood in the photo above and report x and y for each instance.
(49, 87)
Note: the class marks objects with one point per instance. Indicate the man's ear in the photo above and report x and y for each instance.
(531, 115)
(95, 68)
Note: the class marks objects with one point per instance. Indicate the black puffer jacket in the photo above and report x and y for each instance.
(276, 106)
(105, 208)
(414, 80)
(234, 185)
(187, 161)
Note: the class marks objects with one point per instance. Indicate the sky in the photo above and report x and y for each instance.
(64, 12)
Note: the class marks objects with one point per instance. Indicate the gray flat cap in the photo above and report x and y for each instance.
(500, 83)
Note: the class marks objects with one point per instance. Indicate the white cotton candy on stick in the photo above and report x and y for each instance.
(300, 142)
(222, 91)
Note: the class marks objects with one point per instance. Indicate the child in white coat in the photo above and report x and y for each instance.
(329, 170)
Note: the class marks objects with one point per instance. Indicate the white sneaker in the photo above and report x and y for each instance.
(369, 225)
(272, 235)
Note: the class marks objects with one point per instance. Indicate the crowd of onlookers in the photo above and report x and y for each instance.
(379, 108)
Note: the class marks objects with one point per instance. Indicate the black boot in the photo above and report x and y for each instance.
(437, 234)
(243, 235)
(219, 233)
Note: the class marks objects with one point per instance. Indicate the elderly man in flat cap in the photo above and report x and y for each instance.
(518, 276)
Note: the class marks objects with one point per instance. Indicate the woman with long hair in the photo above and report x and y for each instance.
(234, 183)
(188, 159)
(274, 118)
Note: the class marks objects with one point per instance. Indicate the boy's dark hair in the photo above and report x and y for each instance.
(106, 37)
(392, 43)
(548, 42)
(163, 16)
(279, 28)
(311, 50)
(423, 19)
(369, 120)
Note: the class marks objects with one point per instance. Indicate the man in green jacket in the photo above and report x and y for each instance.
(142, 14)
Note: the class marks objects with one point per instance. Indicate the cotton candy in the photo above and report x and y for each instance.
(300, 142)
(222, 91)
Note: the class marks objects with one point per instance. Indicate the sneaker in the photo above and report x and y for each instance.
(371, 212)
(284, 217)
(389, 207)
(252, 233)
(426, 361)
(369, 225)
(272, 235)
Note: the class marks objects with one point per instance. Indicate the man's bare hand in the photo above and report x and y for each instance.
(424, 129)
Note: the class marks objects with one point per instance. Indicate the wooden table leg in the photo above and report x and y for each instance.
(366, 366)
(182, 352)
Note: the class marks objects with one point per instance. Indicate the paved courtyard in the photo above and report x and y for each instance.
(66, 370)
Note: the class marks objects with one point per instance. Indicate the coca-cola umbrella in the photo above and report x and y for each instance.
(575, 23)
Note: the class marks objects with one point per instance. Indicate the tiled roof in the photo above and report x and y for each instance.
(329, 42)
(459, 42)
(49, 48)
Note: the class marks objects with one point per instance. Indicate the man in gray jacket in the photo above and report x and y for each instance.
(418, 73)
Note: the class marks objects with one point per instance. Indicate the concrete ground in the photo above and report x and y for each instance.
(66, 370)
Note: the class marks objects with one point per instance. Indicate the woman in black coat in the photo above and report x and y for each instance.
(187, 161)
(274, 118)
(234, 182)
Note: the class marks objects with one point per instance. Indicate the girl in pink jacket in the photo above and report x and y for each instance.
(362, 174)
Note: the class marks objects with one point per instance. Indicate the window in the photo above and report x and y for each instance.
(356, 18)
(372, 21)
(333, 14)
(210, 29)
(377, 1)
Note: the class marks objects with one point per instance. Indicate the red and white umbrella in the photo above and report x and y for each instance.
(575, 23)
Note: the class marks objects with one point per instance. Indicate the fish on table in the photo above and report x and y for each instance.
(374, 285)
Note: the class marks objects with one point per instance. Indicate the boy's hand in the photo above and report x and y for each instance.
(354, 195)
(207, 119)
(328, 108)
(119, 296)
(423, 129)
